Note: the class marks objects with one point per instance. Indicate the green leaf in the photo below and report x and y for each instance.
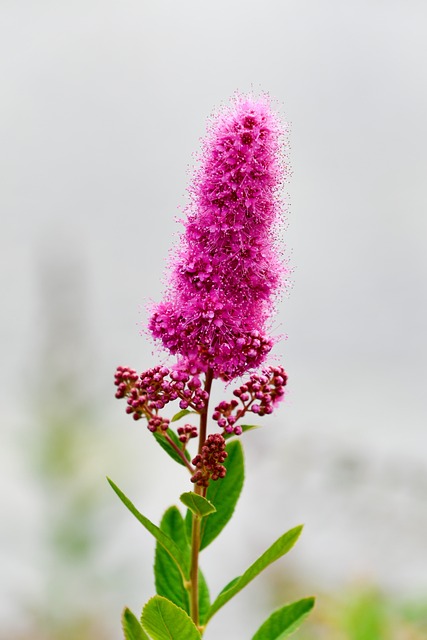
(273, 553)
(223, 494)
(230, 584)
(284, 621)
(160, 437)
(131, 626)
(181, 414)
(168, 579)
(244, 428)
(163, 620)
(169, 545)
(204, 598)
(197, 504)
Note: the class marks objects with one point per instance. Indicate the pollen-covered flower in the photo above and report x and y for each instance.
(227, 271)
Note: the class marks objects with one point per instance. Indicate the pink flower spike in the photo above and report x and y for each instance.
(227, 272)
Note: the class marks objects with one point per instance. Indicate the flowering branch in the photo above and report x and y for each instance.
(225, 278)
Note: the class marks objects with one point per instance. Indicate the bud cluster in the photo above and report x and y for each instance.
(187, 432)
(151, 391)
(258, 395)
(209, 462)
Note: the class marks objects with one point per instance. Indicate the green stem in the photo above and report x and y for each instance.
(195, 535)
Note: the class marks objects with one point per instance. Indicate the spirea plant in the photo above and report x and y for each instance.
(225, 278)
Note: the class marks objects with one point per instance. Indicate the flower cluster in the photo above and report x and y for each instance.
(259, 395)
(209, 462)
(227, 272)
(149, 392)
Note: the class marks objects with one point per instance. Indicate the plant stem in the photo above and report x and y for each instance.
(204, 414)
(180, 452)
(194, 573)
(195, 534)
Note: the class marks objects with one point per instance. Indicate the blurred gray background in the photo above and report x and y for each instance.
(102, 106)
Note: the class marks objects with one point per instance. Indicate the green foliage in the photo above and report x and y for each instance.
(204, 599)
(198, 505)
(168, 579)
(273, 553)
(163, 620)
(167, 543)
(131, 627)
(365, 619)
(223, 494)
(415, 613)
(181, 414)
(284, 621)
(166, 616)
(362, 612)
(160, 437)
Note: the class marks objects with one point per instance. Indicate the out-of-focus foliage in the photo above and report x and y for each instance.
(363, 613)
(62, 447)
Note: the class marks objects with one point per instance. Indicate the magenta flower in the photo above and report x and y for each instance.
(227, 272)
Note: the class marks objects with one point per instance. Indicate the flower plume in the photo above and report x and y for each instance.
(227, 271)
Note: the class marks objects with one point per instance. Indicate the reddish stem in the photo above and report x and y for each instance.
(195, 535)
(180, 452)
